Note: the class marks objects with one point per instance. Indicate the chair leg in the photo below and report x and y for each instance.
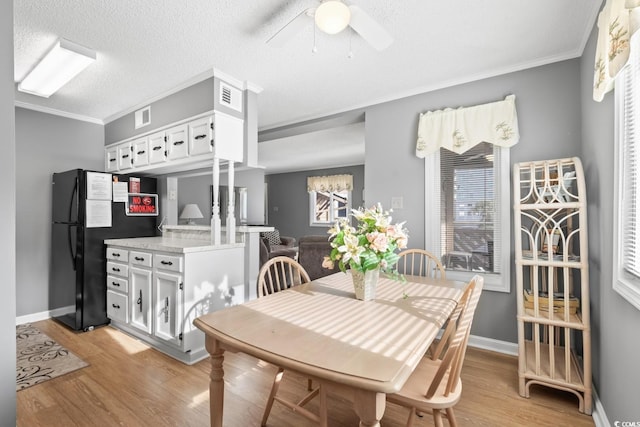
(412, 417)
(452, 418)
(437, 418)
(272, 395)
(324, 418)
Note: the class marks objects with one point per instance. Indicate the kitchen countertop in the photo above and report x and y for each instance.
(166, 244)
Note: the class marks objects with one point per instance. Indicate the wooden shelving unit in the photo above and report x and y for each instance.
(552, 277)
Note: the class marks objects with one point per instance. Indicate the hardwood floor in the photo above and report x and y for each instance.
(130, 384)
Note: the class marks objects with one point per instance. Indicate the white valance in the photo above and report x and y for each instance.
(330, 183)
(617, 22)
(463, 128)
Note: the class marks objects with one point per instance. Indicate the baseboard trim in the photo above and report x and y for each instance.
(44, 315)
(599, 416)
(498, 346)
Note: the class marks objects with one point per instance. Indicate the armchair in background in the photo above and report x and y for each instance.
(282, 246)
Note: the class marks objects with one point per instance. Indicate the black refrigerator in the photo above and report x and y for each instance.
(77, 277)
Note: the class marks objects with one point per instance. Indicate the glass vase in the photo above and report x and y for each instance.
(364, 283)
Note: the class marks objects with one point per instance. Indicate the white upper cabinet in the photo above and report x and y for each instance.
(157, 148)
(140, 152)
(111, 159)
(190, 144)
(124, 156)
(201, 136)
(177, 147)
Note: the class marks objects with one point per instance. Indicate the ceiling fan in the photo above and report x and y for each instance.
(331, 17)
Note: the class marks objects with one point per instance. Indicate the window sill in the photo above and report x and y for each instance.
(629, 290)
(492, 282)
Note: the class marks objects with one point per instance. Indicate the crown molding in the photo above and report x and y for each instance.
(55, 112)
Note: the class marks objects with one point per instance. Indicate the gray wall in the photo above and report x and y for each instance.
(614, 321)
(549, 120)
(197, 190)
(45, 144)
(7, 221)
(186, 103)
(287, 192)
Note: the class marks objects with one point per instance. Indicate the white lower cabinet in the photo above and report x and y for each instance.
(156, 295)
(140, 298)
(168, 306)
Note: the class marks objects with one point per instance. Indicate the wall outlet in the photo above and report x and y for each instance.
(396, 203)
(172, 195)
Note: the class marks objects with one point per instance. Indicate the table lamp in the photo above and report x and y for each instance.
(190, 212)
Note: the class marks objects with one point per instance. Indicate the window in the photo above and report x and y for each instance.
(467, 213)
(327, 206)
(626, 256)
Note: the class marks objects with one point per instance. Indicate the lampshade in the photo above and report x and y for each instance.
(62, 63)
(332, 16)
(190, 212)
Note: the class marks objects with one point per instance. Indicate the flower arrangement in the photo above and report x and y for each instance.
(370, 245)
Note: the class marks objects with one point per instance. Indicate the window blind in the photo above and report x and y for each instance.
(470, 237)
(630, 190)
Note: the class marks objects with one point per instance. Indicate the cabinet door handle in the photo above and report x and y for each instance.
(166, 310)
(139, 302)
(115, 306)
(166, 263)
(115, 284)
(178, 143)
(200, 136)
(124, 156)
(139, 258)
(141, 152)
(158, 147)
(115, 269)
(115, 254)
(112, 160)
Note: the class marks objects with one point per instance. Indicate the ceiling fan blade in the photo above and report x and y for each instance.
(369, 29)
(291, 29)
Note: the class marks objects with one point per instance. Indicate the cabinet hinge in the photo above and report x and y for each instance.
(181, 286)
(180, 336)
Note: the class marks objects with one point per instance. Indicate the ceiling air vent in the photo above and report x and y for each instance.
(230, 97)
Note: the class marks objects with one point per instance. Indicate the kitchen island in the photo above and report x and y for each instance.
(157, 286)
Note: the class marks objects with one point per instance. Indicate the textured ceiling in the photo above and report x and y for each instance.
(148, 47)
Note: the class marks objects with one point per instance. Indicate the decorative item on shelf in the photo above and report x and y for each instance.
(191, 212)
(367, 249)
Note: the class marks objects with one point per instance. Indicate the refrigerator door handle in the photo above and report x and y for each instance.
(74, 196)
(71, 252)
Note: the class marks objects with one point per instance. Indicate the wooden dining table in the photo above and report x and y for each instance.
(320, 330)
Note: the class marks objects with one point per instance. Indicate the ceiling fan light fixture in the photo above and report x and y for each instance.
(332, 16)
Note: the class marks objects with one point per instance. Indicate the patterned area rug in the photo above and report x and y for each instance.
(39, 358)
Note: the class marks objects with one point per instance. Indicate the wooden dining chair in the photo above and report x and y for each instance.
(435, 385)
(418, 262)
(276, 275)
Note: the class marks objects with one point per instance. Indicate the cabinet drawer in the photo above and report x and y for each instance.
(118, 254)
(140, 258)
(168, 262)
(117, 306)
(119, 284)
(117, 269)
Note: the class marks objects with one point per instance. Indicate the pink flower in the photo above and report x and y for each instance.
(378, 241)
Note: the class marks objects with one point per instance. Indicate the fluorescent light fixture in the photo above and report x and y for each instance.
(332, 16)
(190, 212)
(62, 63)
